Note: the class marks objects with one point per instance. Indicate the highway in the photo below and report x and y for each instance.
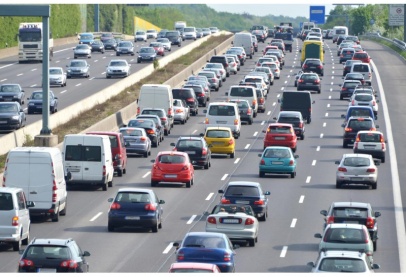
(286, 241)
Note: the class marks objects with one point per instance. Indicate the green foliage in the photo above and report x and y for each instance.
(156, 64)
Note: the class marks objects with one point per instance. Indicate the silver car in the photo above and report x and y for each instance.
(219, 67)
(118, 68)
(365, 99)
(237, 60)
(136, 141)
(166, 43)
(57, 77)
(82, 51)
(232, 65)
(78, 68)
(206, 31)
(181, 111)
(125, 48)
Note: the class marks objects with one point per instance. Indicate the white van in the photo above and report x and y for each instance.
(244, 40)
(338, 31)
(14, 217)
(39, 172)
(223, 114)
(88, 159)
(365, 69)
(189, 33)
(157, 96)
(244, 92)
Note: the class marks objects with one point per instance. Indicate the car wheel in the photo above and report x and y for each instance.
(345, 144)
(227, 74)
(55, 217)
(104, 187)
(374, 185)
(63, 212)
(166, 132)
(119, 172)
(262, 218)
(110, 227)
(154, 228)
(232, 155)
(160, 224)
(302, 137)
(206, 166)
(189, 183)
(251, 242)
(145, 154)
(17, 245)
(261, 174)
(375, 245)
(341, 97)
(293, 175)
(125, 170)
(294, 149)
(108, 77)
(338, 185)
(217, 89)
(155, 144)
(250, 122)
(27, 239)
(309, 119)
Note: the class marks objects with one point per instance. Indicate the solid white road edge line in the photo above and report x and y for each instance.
(191, 219)
(96, 216)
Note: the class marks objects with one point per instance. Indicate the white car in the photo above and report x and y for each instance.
(166, 43)
(365, 99)
(266, 70)
(181, 111)
(152, 34)
(82, 51)
(118, 68)
(218, 66)
(140, 36)
(372, 143)
(232, 64)
(57, 77)
(274, 67)
(237, 221)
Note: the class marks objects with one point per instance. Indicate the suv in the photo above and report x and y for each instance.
(294, 118)
(197, 149)
(354, 125)
(355, 212)
(370, 142)
(313, 65)
(53, 255)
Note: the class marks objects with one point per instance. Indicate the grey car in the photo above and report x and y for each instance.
(78, 68)
(215, 83)
(166, 43)
(118, 68)
(82, 51)
(12, 115)
(206, 31)
(110, 44)
(246, 112)
(125, 48)
(12, 92)
(136, 141)
(57, 76)
(146, 54)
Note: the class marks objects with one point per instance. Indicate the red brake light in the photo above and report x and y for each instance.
(317, 81)
(248, 111)
(249, 221)
(14, 221)
(150, 132)
(370, 223)
(180, 256)
(150, 207)
(227, 257)
(262, 162)
(104, 170)
(342, 169)
(348, 129)
(291, 162)
(189, 100)
(259, 202)
(231, 142)
(371, 170)
(138, 110)
(115, 206)
(225, 201)
(204, 152)
(25, 262)
(211, 220)
(69, 264)
(330, 220)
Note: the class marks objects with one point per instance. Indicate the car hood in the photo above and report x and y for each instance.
(8, 94)
(77, 68)
(117, 68)
(7, 115)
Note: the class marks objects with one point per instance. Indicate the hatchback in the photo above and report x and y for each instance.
(136, 141)
(218, 66)
(135, 207)
(372, 143)
(361, 56)
(280, 134)
(165, 120)
(220, 140)
(12, 115)
(154, 134)
(97, 46)
(313, 65)
(357, 169)
(82, 50)
(354, 76)
(172, 167)
(110, 44)
(200, 93)
(35, 102)
(310, 82)
(197, 149)
(246, 112)
(277, 160)
(294, 118)
(274, 67)
(346, 54)
(354, 125)
(57, 77)
(158, 47)
(348, 87)
(365, 99)
(125, 48)
(181, 111)
(13, 92)
(250, 193)
(165, 43)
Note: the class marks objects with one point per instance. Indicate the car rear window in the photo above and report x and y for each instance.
(361, 68)
(344, 235)
(204, 242)
(360, 112)
(224, 110)
(242, 191)
(290, 119)
(130, 132)
(241, 92)
(6, 202)
(189, 144)
(350, 212)
(133, 197)
(356, 161)
(154, 112)
(141, 123)
(277, 153)
(363, 97)
(351, 84)
(360, 124)
(360, 55)
(84, 153)
(113, 141)
(370, 137)
(337, 265)
(48, 252)
(182, 94)
(279, 130)
(171, 159)
(218, 134)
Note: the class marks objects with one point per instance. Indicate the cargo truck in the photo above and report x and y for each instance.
(30, 44)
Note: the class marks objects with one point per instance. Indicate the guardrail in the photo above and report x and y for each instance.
(397, 42)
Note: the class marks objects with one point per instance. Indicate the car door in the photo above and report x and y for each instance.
(23, 213)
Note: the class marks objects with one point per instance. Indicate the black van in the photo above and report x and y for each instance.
(187, 94)
(300, 101)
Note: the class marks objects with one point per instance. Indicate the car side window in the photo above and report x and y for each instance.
(76, 250)
(21, 200)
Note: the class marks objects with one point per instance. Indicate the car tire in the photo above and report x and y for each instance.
(232, 155)
(110, 184)
(309, 120)
(119, 172)
(124, 170)
(345, 144)
(302, 137)
(228, 74)
(108, 77)
(145, 155)
(189, 183)
(293, 175)
(250, 122)
(17, 245)
(154, 183)
(26, 240)
(251, 242)
(294, 149)
(375, 245)
(110, 227)
(154, 228)
(206, 166)
(338, 185)
(55, 217)
(262, 218)
(166, 132)
(63, 212)
(374, 185)
(104, 187)
(217, 89)
(261, 174)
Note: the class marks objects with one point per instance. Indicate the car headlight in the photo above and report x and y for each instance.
(15, 117)
(109, 70)
(69, 70)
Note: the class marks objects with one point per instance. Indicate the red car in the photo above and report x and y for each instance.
(269, 47)
(194, 268)
(172, 167)
(280, 134)
(158, 47)
(362, 56)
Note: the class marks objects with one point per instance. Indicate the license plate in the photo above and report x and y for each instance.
(277, 162)
(309, 83)
(356, 179)
(242, 202)
(279, 138)
(47, 270)
(217, 143)
(133, 143)
(3, 122)
(132, 218)
(191, 152)
(171, 176)
(231, 220)
(369, 146)
(221, 122)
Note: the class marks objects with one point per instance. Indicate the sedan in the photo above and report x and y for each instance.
(82, 51)
(78, 68)
(206, 31)
(158, 47)
(354, 76)
(97, 46)
(237, 221)
(135, 207)
(166, 43)
(357, 169)
(172, 167)
(309, 81)
(136, 141)
(146, 54)
(110, 44)
(125, 48)
(140, 36)
(277, 160)
(35, 102)
(118, 68)
(57, 77)
(215, 248)
(12, 115)
(12, 92)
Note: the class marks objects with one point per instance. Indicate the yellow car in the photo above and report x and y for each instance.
(220, 140)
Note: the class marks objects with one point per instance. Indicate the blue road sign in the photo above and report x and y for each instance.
(317, 14)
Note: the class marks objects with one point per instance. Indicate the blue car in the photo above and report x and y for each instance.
(204, 247)
(277, 160)
(35, 102)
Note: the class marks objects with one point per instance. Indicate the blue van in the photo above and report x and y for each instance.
(86, 38)
(364, 111)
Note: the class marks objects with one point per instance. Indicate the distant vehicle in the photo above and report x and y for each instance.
(35, 102)
(12, 92)
(97, 46)
(12, 116)
(140, 36)
(30, 47)
(152, 33)
(86, 38)
(57, 76)
(78, 68)
(82, 50)
(118, 68)
(339, 30)
(125, 48)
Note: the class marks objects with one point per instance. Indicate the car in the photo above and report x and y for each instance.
(166, 120)
(260, 35)
(254, 42)
(215, 83)
(372, 143)
(50, 255)
(357, 169)
(232, 64)
(97, 46)
(267, 70)
(347, 66)
(236, 60)
(343, 45)
(297, 77)
(199, 79)
(78, 68)
(82, 51)
(277, 160)
(365, 99)
(240, 52)
(203, 83)
(346, 54)
(12, 92)
(340, 261)
(249, 193)
(269, 47)
(189, 33)
(140, 36)
(35, 102)
(189, 96)
(158, 47)
(346, 236)
(148, 124)
(146, 54)
(136, 141)
(57, 76)
(174, 37)
(118, 68)
(200, 93)
(348, 87)
(161, 33)
(365, 69)
(353, 38)
(354, 125)
(152, 33)
(354, 76)
(214, 30)
(217, 66)
(197, 149)
(172, 167)
(310, 82)
(261, 100)
(125, 47)
(206, 31)
(357, 48)
(110, 44)
(194, 268)
(361, 56)
(246, 112)
(313, 65)
(237, 221)
(199, 33)
(274, 67)
(294, 118)
(280, 134)
(278, 53)
(136, 208)
(181, 111)
(207, 247)
(165, 43)
(220, 140)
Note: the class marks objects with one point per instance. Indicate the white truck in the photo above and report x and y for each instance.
(179, 25)
(30, 47)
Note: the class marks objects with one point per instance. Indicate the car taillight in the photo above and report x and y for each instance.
(225, 201)
(163, 118)
(372, 129)
(204, 152)
(254, 102)
(261, 100)
(276, 69)
(206, 121)
(185, 167)
(370, 223)
(305, 66)
(249, 221)
(25, 262)
(143, 138)
(69, 264)
(373, 103)
(301, 81)
(150, 132)
(343, 88)
(180, 256)
(201, 95)
(54, 189)
(259, 202)
(353, 103)
(227, 257)
(330, 220)
(248, 111)
(178, 111)
(214, 79)
(342, 169)
(190, 100)
(138, 110)
(301, 125)
(231, 142)
(115, 206)
(341, 56)
(356, 145)
(319, 66)
(211, 220)
(150, 207)
(317, 81)
(262, 162)
(235, 121)
(348, 129)
(104, 170)
(371, 170)
(14, 221)
(291, 162)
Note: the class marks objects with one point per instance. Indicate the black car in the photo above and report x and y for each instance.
(200, 94)
(246, 112)
(97, 46)
(150, 128)
(174, 37)
(110, 44)
(355, 124)
(346, 54)
(12, 92)
(146, 54)
(35, 102)
(310, 82)
(52, 256)
(294, 118)
(348, 87)
(189, 96)
(223, 61)
(12, 115)
(197, 149)
(354, 76)
(313, 65)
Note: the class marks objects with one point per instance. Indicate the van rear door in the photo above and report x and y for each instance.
(40, 188)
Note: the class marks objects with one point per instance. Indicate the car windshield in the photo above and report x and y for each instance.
(154, 112)
(342, 264)
(280, 130)
(82, 46)
(351, 84)
(77, 64)
(125, 44)
(9, 88)
(118, 63)
(241, 104)
(370, 137)
(218, 134)
(233, 209)
(55, 71)
(360, 112)
(140, 33)
(242, 91)
(36, 95)
(171, 159)
(344, 235)
(356, 161)
(309, 77)
(155, 44)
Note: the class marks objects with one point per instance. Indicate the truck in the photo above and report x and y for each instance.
(179, 25)
(30, 45)
(287, 38)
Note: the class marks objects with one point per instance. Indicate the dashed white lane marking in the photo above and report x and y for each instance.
(273, 104)
(301, 199)
(293, 224)
(247, 146)
(209, 196)
(91, 78)
(3, 80)
(34, 85)
(321, 135)
(329, 97)
(283, 253)
(324, 124)
(328, 105)
(268, 113)
(191, 219)
(224, 177)
(33, 69)
(314, 162)
(96, 216)
(57, 61)
(286, 82)
(63, 91)
(237, 160)
(146, 174)
(332, 72)
(95, 61)
(308, 179)
(21, 74)
(168, 248)
(326, 114)
(255, 134)
(194, 131)
(318, 148)
(263, 122)
(78, 85)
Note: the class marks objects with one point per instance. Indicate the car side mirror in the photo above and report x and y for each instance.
(337, 162)
(376, 266)
(236, 246)
(55, 97)
(318, 235)
(21, 110)
(220, 191)
(296, 156)
(323, 212)
(311, 264)
(377, 214)
(343, 116)
(267, 193)
(110, 200)
(201, 134)
(30, 204)
(176, 244)
(152, 161)
(161, 202)
(86, 254)
(343, 125)
(68, 176)
(226, 93)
